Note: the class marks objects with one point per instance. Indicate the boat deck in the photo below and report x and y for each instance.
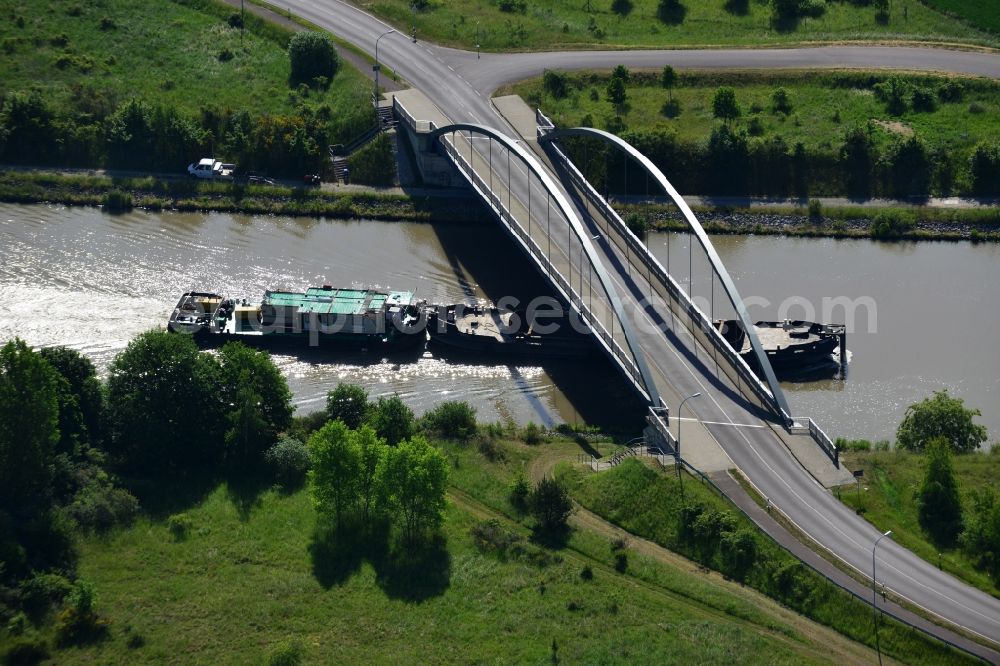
(489, 324)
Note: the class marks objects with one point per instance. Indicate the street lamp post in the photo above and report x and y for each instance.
(377, 67)
(878, 648)
(677, 449)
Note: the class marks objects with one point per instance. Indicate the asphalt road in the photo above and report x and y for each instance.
(460, 84)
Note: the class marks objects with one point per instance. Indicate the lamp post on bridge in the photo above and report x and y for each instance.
(878, 648)
(677, 449)
(377, 67)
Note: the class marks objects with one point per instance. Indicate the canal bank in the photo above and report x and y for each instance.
(836, 218)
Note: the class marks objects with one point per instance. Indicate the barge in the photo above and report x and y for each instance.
(319, 316)
(794, 347)
(489, 330)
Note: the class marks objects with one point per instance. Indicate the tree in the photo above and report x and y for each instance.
(165, 406)
(348, 403)
(724, 105)
(984, 166)
(671, 12)
(29, 420)
(981, 538)
(940, 416)
(312, 55)
(617, 94)
(939, 508)
(911, 169)
(333, 479)
(621, 72)
(371, 454)
(857, 157)
(84, 387)
(550, 505)
(392, 419)
(416, 474)
(738, 551)
(28, 125)
(555, 83)
(130, 134)
(668, 79)
(257, 401)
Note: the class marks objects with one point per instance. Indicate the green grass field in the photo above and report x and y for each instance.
(888, 500)
(244, 582)
(982, 14)
(568, 23)
(824, 106)
(162, 51)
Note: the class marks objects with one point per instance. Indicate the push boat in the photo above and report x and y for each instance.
(477, 329)
(793, 347)
(318, 316)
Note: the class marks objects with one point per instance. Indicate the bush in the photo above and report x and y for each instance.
(939, 509)
(637, 224)
(312, 55)
(755, 127)
(375, 164)
(26, 650)
(518, 494)
(781, 102)
(951, 91)
(180, 525)
(512, 6)
(984, 165)
(532, 435)
(225, 55)
(892, 224)
(101, 506)
(924, 100)
(490, 536)
(116, 201)
(815, 209)
(555, 83)
(621, 7)
(289, 461)
(586, 573)
(235, 20)
(453, 418)
(79, 623)
(285, 654)
(43, 592)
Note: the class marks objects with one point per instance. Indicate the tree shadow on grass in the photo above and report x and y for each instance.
(417, 571)
(244, 488)
(170, 494)
(671, 12)
(555, 538)
(336, 554)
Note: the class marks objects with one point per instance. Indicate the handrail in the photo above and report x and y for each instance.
(507, 218)
(777, 402)
(654, 268)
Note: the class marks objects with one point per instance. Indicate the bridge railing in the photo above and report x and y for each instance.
(571, 295)
(666, 287)
(802, 425)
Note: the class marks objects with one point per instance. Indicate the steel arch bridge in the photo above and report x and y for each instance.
(631, 358)
(780, 404)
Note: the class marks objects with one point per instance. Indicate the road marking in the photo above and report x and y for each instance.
(721, 423)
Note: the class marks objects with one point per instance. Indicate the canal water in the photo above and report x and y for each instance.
(78, 277)
(925, 315)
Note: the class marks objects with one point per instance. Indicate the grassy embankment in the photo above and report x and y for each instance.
(253, 551)
(531, 24)
(89, 56)
(888, 500)
(983, 15)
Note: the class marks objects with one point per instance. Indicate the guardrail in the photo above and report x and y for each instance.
(503, 213)
(634, 248)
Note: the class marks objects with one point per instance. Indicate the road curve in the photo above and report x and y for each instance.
(460, 84)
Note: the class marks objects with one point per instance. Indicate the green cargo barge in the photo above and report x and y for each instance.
(320, 316)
